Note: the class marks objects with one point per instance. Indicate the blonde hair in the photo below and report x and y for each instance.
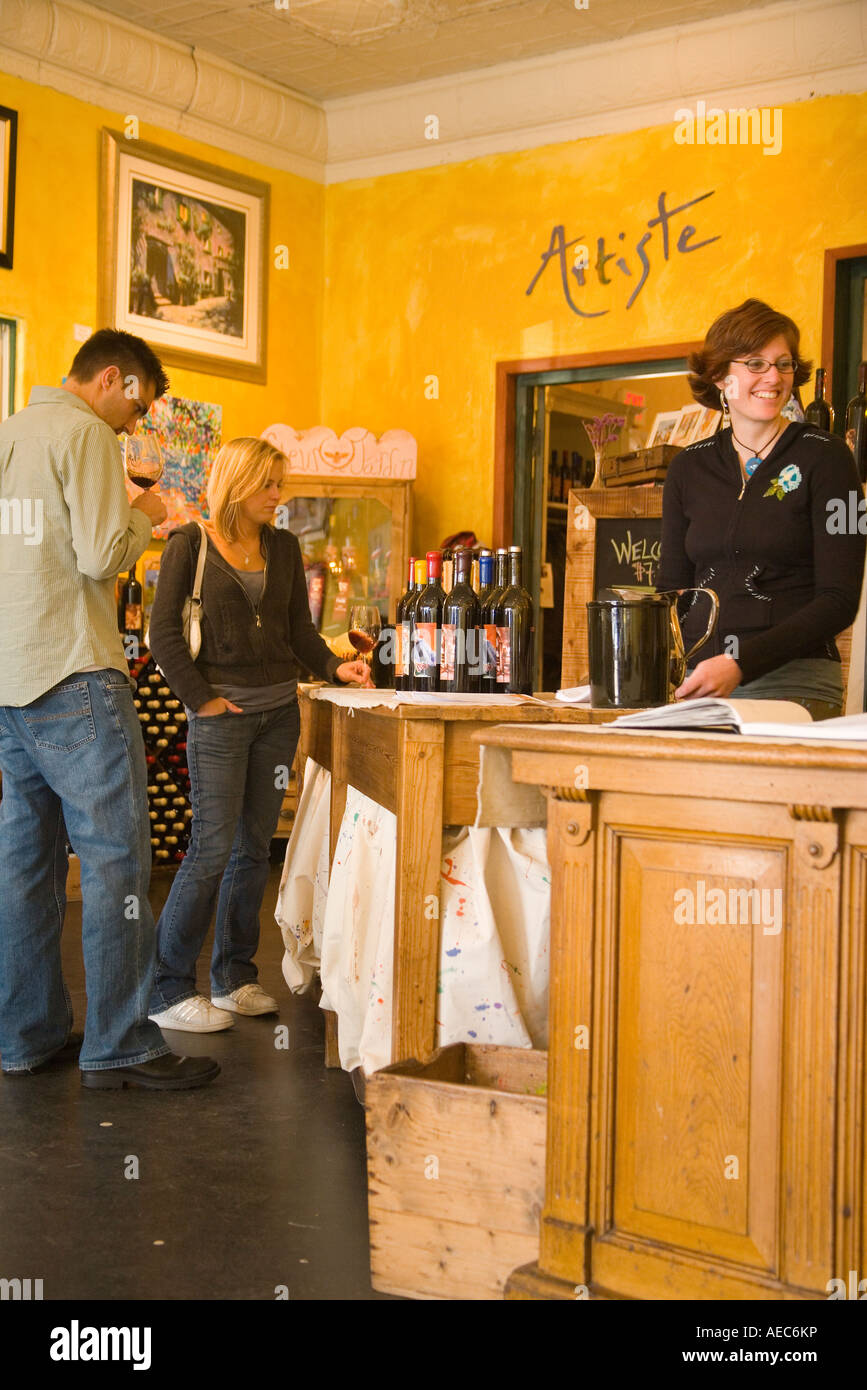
(242, 467)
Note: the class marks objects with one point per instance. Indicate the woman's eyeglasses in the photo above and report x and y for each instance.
(784, 365)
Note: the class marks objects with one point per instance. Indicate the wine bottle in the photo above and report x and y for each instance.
(489, 624)
(819, 412)
(577, 470)
(131, 622)
(428, 625)
(401, 627)
(565, 478)
(448, 570)
(554, 478)
(409, 619)
(459, 672)
(474, 568)
(515, 630)
(485, 577)
(856, 424)
(382, 671)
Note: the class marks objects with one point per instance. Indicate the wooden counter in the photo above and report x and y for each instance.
(706, 1086)
(422, 763)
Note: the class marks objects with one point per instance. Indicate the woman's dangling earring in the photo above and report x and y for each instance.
(727, 418)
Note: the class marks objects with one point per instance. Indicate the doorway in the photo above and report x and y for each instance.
(542, 411)
(844, 346)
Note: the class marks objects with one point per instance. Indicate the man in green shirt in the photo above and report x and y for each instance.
(71, 752)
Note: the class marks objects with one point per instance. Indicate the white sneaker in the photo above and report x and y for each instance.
(247, 999)
(195, 1015)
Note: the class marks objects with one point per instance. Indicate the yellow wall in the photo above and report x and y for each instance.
(53, 283)
(427, 273)
(400, 278)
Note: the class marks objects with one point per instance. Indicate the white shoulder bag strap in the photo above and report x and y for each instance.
(194, 633)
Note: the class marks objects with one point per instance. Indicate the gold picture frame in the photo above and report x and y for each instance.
(8, 155)
(183, 257)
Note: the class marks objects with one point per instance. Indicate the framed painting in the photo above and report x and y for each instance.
(662, 428)
(189, 434)
(684, 431)
(8, 152)
(707, 424)
(183, 257)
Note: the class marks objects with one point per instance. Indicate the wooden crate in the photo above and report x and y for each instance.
(639, 466)
(456, 1170)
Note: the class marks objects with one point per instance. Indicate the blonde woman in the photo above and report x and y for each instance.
(257, 638)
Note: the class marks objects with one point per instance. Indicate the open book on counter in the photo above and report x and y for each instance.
(753, 718)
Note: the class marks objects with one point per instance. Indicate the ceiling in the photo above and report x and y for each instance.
(327, 49)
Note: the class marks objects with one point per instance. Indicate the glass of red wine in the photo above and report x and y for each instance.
(364, 625)
(143, 459)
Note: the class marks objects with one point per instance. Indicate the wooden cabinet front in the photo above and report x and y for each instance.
(703, 1030)
(707, 1040)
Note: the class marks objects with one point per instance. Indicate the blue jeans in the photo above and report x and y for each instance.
(73, 762)
(238, 765)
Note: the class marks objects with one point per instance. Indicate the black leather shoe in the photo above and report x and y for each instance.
(67, 1053)
(168, 1073)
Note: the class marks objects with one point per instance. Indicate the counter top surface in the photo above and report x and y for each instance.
(543, 709)
(678, 745)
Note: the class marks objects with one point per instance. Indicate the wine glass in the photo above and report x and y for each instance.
(143, 459)
(364, 624)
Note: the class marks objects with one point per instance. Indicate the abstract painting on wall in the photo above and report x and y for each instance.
(189, 436)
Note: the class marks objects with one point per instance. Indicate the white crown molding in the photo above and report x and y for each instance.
(770, 57)
(94, 56)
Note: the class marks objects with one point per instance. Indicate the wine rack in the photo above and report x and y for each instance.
(164, 730)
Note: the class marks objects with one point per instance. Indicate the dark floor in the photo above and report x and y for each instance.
(255, 1181)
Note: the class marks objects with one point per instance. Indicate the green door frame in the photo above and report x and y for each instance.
(529, 470)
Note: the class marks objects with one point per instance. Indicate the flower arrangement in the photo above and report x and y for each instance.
(601, 431)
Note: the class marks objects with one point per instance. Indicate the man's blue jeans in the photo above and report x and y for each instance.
(239, 766)
(75, 756)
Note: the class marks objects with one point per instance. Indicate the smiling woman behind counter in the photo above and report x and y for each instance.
(746, 514)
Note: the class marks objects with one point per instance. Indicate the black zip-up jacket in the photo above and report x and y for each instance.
(787, 584)
(242, 643)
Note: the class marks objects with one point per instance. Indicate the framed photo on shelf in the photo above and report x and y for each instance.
(684, 431)
(707, 423)
(663, 428)
(8, 154)
(183, 257)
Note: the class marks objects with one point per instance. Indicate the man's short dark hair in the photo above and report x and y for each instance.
(111, 347)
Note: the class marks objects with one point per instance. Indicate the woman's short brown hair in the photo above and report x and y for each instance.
(741, 332)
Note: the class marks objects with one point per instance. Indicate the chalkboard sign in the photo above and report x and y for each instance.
(627, 552)
(613, 537)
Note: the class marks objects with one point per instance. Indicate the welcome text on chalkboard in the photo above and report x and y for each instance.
(627, 551)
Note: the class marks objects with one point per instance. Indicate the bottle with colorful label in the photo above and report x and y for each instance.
(489, 624)
(460, 670)
(427, 627)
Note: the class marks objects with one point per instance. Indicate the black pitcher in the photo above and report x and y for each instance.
(635, 646)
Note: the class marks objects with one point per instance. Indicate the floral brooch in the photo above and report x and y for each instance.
(786, 480)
